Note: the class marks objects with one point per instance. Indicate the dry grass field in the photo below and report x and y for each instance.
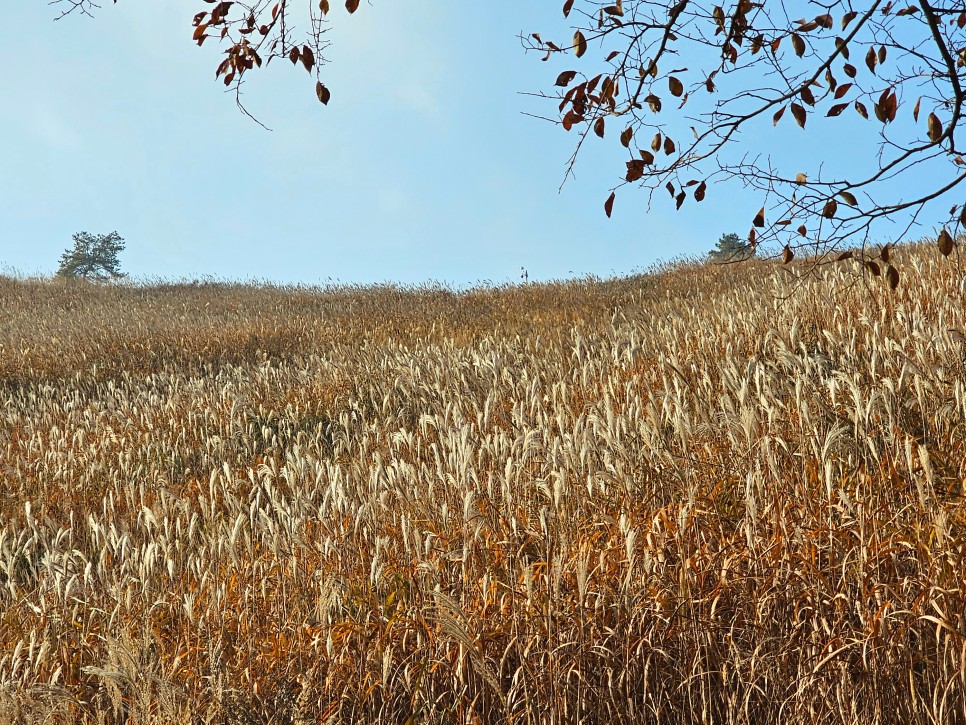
(712, 494)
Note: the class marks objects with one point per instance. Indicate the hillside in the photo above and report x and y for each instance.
(709, 494)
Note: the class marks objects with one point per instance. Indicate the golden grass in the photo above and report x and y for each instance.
(685, 497)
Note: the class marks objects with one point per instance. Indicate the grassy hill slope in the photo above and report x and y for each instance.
(713, 494)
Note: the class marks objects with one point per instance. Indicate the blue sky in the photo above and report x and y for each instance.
(422, 168)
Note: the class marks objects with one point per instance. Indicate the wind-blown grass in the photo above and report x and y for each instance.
(713, 494)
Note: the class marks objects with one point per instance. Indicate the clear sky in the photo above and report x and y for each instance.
(422, 168)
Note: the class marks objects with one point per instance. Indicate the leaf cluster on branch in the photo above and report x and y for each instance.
(658, 68)
(255, 33)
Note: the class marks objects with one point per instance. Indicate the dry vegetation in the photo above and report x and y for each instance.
(684, 497)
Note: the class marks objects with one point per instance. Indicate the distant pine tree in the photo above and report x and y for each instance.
(93, 257)
(731, 248)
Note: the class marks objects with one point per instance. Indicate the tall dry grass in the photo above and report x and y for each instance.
(716, 495)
